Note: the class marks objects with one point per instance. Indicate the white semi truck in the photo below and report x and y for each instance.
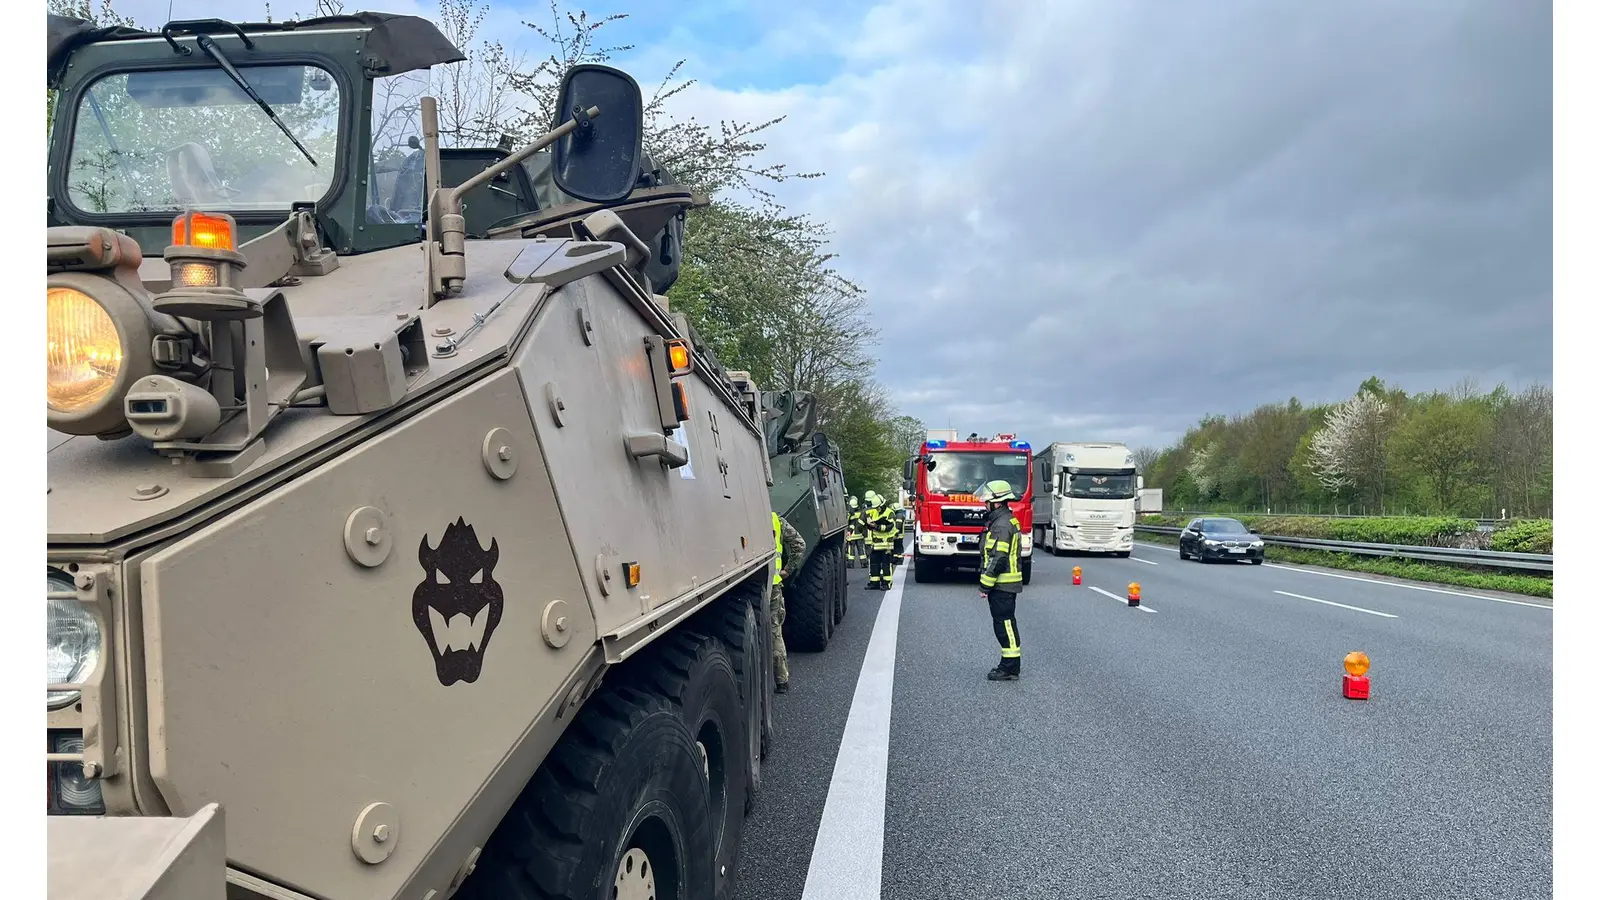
(1084, 498)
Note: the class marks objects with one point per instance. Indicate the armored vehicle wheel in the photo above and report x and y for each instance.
(1027, 570)
(740, 628)
(808, 614)
(844, 592)
(841, 582)
(627, 776)
(696, 672)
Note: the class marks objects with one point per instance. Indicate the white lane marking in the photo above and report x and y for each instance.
(1409, 587)
(1145, 561)
(1370, 612)
(1122, 600)
(847, 856)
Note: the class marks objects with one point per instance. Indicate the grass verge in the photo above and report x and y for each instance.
(1457, 576)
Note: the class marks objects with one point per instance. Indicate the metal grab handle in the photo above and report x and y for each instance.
(674, 454)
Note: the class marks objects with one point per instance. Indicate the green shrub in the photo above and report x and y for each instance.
(1527, 536)
(1428, 531)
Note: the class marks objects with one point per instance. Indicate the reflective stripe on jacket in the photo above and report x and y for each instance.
(880, 529)
(1002, 544)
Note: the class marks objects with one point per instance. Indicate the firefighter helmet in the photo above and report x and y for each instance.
(995, 492)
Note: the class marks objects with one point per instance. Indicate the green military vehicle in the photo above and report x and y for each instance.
(808, 490)
(402, 542)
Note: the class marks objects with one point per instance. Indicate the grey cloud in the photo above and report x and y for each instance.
(1284, 198)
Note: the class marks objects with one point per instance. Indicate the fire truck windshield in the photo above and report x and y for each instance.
(956, 472)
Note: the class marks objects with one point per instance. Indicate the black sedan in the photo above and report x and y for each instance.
(1208, 539)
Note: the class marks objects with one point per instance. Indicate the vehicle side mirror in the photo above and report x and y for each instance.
(910, 469)
(820, 442)
(1255, 531)
(599, 161)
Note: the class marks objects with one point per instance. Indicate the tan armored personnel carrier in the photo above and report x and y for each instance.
(391, 555)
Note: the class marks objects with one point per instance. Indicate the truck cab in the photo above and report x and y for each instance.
(943, 479)
(1087, 498)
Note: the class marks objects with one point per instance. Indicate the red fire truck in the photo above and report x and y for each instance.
(942, 480)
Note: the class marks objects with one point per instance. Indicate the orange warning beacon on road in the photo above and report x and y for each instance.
(1356, 686)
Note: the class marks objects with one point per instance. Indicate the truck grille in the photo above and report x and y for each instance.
(973, 517)
(1097, 532)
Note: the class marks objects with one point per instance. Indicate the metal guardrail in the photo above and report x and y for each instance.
(1535, 562)
(1483, 524)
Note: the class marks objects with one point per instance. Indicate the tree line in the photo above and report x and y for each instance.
(756, 280)
(1382, 451)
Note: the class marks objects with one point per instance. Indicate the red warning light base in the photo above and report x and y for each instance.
(1133, 601)
(1356, 687)
(1077, 579)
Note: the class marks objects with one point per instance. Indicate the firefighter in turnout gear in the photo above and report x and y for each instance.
(790, 546)
(880, 538)
(855, 544)
(1000, 575)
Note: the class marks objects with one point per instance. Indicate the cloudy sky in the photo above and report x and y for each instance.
(1103, 219)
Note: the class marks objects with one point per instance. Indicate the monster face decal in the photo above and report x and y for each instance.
(458, 604)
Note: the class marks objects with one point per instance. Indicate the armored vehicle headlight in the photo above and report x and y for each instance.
(72, 639)
(98, 343)
(85, 351)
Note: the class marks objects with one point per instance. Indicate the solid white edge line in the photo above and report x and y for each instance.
(1122, 600)
(1370, 612)
(1409, 587)
(847, 856)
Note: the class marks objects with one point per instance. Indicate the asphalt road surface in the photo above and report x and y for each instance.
(1198, 748)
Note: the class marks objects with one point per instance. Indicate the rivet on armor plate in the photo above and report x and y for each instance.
(555, 624)
(585, 327)
(467, 868)
(376, 832)
(368, 537)
(149, 491)
(557, 406)
(499, 453)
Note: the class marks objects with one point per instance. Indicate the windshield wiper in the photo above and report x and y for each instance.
(212, 50)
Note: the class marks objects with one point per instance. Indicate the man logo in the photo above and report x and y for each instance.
(458, 604)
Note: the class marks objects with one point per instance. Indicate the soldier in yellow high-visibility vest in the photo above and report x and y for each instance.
(787, 539)
(1000, 575)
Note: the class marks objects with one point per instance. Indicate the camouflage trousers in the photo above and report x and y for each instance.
(780, 653)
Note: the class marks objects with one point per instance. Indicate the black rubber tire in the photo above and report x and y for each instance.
(844, 588)
(842, 591)
(1124, 554)
(626, 760)
(1183, 555)
(696, 672)
(736, 621)
(1257, 562)
(808, 607)
(925, 572)
(1027, 570)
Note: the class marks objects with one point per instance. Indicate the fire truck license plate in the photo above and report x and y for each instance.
(969, 539)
